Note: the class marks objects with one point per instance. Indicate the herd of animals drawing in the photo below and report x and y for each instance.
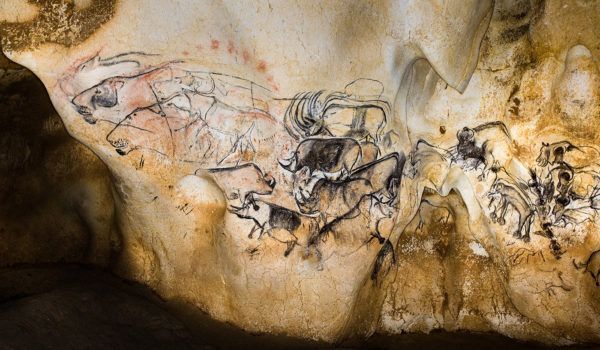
(329, 160)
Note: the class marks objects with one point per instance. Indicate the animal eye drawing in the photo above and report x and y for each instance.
(297, 170)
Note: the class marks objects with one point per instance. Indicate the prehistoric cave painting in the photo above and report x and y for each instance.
(504, 195)
(552, 284)
(552, 194)
(281, 224)
(358, 112)
(242, 181)
(525, 255)
(483, 145)
(188, 115)
(322, 163)
(375, 184)
(334, 166)
(363, 198)
(591, 266)
(329, 158)
(556, 195)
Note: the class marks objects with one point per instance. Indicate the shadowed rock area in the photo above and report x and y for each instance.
(74, 307)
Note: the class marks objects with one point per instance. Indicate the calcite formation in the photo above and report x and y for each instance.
(339, 168)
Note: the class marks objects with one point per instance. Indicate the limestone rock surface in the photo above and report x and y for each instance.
(332, 169)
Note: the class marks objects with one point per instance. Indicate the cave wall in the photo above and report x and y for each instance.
(538, 74)
(486, 111)
(55, 194)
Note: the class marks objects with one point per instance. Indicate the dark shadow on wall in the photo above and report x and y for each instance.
(70, 307)
(55, 199)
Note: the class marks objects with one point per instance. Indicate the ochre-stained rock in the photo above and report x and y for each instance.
(334, 169)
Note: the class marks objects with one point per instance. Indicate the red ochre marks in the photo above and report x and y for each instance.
(76, 66)
(246, 56)
(261, 66)
(185, 53)
(272, 83)
(230, 47)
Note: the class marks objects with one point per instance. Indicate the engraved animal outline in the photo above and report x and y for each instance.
(591, 265)
(242, 181)
(334, 199)
(271, 219)
(307, 112)
(140, 94)
(489, 144)
(509, 195)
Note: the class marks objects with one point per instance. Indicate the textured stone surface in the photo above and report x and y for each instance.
(74, 308)
(55, 195)
(69, 307)
(341, 168)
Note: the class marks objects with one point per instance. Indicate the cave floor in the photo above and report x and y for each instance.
(74, 307)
